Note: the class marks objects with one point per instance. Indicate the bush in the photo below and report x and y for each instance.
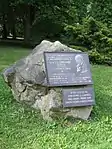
(83, 49)
(97, 58)
(92, 36)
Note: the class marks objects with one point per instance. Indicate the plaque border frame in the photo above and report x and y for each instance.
(61, 85)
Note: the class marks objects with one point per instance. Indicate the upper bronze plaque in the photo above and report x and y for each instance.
(67, 68)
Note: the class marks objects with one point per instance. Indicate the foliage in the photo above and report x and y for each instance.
(91, 34)
(101, 10)
(85, 24)
(80, 48)
(97, 58)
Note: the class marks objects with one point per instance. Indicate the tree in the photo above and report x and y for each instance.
(3, 17)
(101, 10)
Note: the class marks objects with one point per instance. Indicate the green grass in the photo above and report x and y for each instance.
(8, 55)
(24, 128)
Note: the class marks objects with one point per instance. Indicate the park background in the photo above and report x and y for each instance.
(85, 25)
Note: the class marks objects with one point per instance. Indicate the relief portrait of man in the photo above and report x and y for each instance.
(81, 66)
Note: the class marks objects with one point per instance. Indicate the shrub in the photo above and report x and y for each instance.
(92, 36)
(83, 49)
(97, 58)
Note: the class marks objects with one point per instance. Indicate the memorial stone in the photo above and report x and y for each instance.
(43, 78)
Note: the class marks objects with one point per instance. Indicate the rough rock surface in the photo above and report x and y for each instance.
(27, 80)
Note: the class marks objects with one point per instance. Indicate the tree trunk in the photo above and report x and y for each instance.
(27, 25)
(13, 24)
(14, 31)
(12, 21)
(4, 34)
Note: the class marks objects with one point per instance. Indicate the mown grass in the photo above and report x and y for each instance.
(24, 128)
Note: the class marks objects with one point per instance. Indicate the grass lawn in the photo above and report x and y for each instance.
(24, 128)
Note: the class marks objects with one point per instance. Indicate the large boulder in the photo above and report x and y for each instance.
(27, 80)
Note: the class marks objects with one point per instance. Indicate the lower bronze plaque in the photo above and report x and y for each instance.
(78, 97)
